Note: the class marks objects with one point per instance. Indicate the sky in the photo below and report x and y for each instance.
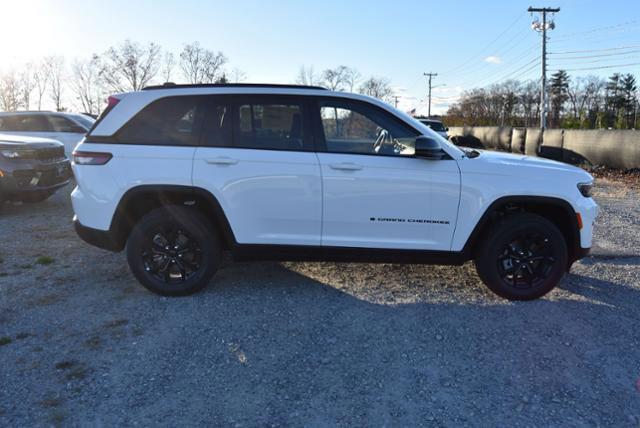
(468, 43)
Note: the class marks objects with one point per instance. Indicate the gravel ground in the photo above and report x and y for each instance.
(81, 343)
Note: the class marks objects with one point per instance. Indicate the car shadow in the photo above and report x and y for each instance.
(344, 344)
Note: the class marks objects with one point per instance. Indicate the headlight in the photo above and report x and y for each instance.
(585, 189)
(12, 154)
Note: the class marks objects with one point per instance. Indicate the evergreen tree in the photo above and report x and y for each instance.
(559, 90)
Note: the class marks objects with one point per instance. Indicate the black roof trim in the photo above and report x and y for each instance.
(170, 85)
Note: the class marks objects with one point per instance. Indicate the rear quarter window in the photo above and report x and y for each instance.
(171, 121)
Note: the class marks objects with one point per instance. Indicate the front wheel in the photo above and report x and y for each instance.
(522, 257)
(173, 251)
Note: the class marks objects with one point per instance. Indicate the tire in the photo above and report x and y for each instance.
(522, 257)
(173, 251)
(35, 197)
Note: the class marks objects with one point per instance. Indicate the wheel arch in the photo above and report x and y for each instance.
(140, 200)
(556, 210)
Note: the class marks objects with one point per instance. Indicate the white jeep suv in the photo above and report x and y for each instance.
(178, 174)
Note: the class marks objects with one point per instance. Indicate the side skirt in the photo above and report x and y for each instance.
(250, 252)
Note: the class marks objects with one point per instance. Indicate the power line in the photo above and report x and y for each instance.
(598, 68)
(515, 21)
(501, 53)
(627, 52)
(594, 61)
(528, 70)
(596, 50)
(491, 79)
(597, 30)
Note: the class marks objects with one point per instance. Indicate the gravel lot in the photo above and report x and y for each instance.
(81, 343)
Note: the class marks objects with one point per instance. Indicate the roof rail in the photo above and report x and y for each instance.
(170, 85)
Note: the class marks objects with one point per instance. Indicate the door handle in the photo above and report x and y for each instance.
(221, 161)
(345, 166)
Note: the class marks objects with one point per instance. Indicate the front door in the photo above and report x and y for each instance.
(376, 194)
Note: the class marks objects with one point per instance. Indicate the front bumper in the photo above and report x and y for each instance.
(34, 179)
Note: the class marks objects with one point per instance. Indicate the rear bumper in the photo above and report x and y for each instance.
(104, 239)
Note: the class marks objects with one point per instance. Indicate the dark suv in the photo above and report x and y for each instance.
(31, 169)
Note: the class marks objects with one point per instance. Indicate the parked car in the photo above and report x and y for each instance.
(176, 175)
(31, 169)
(68, 128)
(437, 126)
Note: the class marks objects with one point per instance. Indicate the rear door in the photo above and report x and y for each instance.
(256, 157)
(376, 193)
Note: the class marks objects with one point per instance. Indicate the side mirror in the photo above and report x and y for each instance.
(446, 129)
(428, 148)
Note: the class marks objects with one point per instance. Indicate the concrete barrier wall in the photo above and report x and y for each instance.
(551, 145)
(532, 141)
(612, 148)
(483, 137)
(518, 138)
(617, 149)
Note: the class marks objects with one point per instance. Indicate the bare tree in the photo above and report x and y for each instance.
(87, 84)
(377, 87)
(341, 78)
(238, 76)
(306, 76)
(333, 79)
(27, 85)
(10, 91)
(351, 78)
(130, 66)
(41, 80)
(168, 64)
(201, 65)
(56, 72)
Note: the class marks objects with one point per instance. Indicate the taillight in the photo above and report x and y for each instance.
(91, 158)
(112, 101)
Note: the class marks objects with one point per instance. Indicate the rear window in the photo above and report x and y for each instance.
(172, 121)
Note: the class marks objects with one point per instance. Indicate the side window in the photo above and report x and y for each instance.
(351, 127)
(217, 123)
(33, 123)
(274, 126)
(9, 123)
(171, 121)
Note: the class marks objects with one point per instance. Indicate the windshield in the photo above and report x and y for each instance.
(436, 126)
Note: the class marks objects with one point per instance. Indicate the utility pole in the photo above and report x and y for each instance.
(430, 76)
(396, 97)
(542, 28)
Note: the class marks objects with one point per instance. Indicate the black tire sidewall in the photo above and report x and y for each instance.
(197, 227)
(500, 235)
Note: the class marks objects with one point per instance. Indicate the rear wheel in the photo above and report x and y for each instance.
(173, 251)
(523, 257)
